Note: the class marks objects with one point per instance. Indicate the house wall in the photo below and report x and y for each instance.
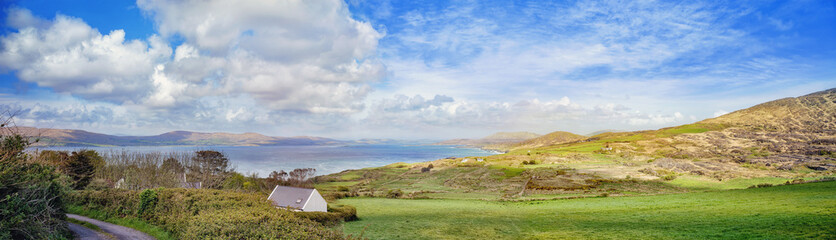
(315, 203)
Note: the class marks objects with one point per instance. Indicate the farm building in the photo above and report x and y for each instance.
(187, 184)
(299, 199)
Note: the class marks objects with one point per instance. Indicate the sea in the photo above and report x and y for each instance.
(325, 159)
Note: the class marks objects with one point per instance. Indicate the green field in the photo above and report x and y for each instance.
(781, 212)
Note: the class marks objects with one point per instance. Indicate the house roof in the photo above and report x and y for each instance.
(292, 197)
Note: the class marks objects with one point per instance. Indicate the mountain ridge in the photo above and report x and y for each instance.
(74, 137)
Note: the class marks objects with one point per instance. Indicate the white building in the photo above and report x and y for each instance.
(299, 199)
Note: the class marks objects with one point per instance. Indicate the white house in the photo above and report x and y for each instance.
(299, 199)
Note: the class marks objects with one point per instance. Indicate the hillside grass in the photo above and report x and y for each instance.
(781, 212)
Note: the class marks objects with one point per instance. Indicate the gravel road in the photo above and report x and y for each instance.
(83, 233)
(119, 232)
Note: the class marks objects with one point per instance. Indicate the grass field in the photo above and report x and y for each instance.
(781, 212)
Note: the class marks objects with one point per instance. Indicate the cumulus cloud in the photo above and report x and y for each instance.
(301, 56)
(69, 56)
(404, 103)
(165, 89)
(290, 56)
(656, 119)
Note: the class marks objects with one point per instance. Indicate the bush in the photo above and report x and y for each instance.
(348, 213)
(395, 193)
(532, 162)
(147, 201)
(31, 195)
(98, 184)
(31, 204)
(208, 214)
(762, 185)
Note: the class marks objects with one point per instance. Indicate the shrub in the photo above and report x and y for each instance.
(31, 194)
(31, 204)
(147, 201)
(342, 189)
(347, 212)
(532, 162)
(335, 215)
(762, 185)
(98, 184)
(394, 193)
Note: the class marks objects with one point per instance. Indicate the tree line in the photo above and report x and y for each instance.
(209, 169)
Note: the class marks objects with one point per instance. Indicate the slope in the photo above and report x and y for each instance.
(496, 141)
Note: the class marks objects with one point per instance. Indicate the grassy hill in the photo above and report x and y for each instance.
(553, 138)
(497, 141)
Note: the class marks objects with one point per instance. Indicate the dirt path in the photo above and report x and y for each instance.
(83, 233)
(119, 232)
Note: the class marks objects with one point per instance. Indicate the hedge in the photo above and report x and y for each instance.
(209, 214)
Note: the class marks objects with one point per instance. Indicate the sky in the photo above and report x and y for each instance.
(404, 69)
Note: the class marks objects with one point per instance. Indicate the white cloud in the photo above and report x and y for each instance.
(69, 56)
(300, 56)
(165, 90)
(656, 119)
(297, 56)
(720, 113)
(442, 112)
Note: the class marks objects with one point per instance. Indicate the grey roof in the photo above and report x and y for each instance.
(292, 197)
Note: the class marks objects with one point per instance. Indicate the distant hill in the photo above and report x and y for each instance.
(548, 139)
(497, 141)
(70, 137)
(602, 132)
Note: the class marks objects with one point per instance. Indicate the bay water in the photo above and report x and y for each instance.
(325, 159)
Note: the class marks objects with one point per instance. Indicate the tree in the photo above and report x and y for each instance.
(300, 177)
(276, 178)
(172, 165)
(81, 166)
(210, 167)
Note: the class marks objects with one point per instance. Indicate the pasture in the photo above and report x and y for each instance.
(780, 212)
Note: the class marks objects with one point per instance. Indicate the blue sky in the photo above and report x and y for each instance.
(396, 69)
